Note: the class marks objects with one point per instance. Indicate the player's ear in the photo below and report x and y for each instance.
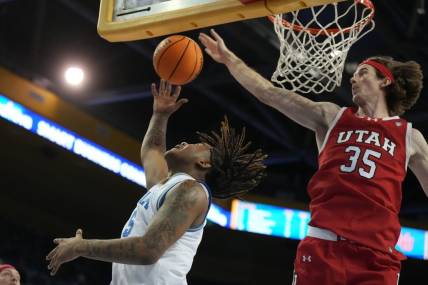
(204, 164)
(385, 82)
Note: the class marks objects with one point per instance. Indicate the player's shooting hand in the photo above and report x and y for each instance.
(215, 47)
(165, 101)
(65, 251)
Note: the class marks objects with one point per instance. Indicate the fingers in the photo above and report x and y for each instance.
(154, 90)
(79, 233)
(203, 36)
(168, 88)
(216, 36)
(162, 87)
(58, 240)
(182, 101)
(52, 263)
(209, 52)
(53, 267)
(214, 46)
(51, 254)
(165, 88)
(206, 40)
(176, 91)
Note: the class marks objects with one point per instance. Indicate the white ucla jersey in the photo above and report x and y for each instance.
(173, 266)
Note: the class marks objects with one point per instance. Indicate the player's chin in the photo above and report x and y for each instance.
(171, 152)
(172, 157)
(357, 99)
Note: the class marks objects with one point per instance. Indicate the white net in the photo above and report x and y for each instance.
(314, 43)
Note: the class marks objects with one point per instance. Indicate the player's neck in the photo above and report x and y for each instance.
(377, 109)
(198, 175)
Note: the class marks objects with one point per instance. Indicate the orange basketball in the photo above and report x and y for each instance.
(178, 59)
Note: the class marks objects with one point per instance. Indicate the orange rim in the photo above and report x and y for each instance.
(315, 31)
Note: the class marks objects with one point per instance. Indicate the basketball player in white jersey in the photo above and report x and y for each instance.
(161, 237)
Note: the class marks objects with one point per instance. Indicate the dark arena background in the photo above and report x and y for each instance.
(48, 188)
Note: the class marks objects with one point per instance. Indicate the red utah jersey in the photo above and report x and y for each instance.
(356, 191)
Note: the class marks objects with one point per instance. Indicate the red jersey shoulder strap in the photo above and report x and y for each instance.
(332, 125)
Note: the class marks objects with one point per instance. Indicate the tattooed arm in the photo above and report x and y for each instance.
(153, 146)
(183, 207)
(153, 149)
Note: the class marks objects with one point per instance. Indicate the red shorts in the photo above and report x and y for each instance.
(325, 262)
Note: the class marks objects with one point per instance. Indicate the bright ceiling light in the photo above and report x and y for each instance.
(74, 76)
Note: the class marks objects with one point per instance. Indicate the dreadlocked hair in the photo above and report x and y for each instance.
(234, 170)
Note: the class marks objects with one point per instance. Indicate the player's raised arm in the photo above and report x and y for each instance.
(310, 114)
(154, 144)
(418, 162)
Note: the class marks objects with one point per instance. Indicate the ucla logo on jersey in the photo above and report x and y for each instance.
(145, 200)
(129, 225)
(367, 137)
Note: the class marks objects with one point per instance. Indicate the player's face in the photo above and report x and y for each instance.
(365, 84)
(189, 153)
(10, 277)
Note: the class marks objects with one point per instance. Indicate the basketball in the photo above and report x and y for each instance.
(178, 59)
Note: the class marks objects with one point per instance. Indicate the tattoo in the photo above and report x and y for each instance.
(126, 251)
(155, 137)
(175, 214)
(168, 226)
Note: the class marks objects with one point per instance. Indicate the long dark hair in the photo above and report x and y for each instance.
(403, 93)
(235, 170)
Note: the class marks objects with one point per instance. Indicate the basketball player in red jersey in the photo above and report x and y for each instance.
(364, 153)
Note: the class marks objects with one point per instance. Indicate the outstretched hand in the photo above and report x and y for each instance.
(65, 251)
(165, 101)
(215, 47)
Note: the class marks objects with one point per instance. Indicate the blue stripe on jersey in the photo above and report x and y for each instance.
(198, 227)
(161, 198)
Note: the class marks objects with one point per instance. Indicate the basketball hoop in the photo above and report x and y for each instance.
(314, 43)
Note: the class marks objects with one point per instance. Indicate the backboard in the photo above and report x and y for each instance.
(128, 20)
